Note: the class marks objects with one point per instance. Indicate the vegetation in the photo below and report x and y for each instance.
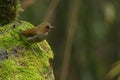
(22, 61)
(95, 43)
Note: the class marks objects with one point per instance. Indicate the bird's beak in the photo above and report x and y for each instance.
(52, 27)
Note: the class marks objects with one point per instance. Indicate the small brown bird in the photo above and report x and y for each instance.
(37, 34)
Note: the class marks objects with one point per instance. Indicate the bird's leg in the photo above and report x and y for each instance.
(41, 49)
(33, 50)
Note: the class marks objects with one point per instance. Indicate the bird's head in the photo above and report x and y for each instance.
(45, 27)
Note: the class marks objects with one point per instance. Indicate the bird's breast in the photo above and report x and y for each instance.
(36, 38)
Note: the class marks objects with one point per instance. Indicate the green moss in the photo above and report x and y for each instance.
(23, 61)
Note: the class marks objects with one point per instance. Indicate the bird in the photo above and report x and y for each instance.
(38, 33)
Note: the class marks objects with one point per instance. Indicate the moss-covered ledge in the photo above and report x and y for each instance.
(22, 61)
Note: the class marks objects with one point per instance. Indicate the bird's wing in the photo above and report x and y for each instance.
(28, 33)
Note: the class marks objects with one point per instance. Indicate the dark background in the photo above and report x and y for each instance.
(86, 41)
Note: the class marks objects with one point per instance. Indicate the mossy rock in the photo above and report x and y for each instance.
(20, 60)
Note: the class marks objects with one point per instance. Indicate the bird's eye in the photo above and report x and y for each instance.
(47, 26)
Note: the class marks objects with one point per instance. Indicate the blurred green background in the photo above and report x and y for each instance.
(86, 41)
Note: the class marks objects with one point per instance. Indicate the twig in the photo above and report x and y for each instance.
(27, 3)
(71, 27)
(51, 10)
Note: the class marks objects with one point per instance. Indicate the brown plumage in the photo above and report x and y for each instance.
(38, 33)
